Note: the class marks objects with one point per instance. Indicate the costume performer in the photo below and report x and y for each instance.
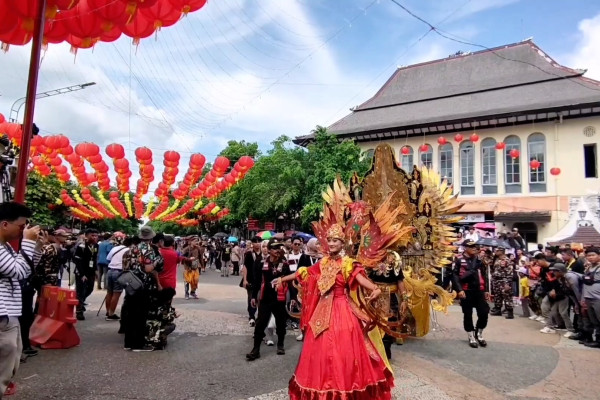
(343, 355)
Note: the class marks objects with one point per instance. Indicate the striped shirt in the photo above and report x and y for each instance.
(13, 268)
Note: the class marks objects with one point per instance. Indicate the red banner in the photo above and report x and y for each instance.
(253, 225)
(269, 226)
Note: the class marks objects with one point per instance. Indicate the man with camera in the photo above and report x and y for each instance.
(14, 267)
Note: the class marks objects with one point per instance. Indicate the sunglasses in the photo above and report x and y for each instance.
(297, 244)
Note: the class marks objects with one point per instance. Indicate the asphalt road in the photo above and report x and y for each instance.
(205, 359)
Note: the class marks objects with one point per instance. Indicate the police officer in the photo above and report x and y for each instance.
(502, 277)
(470, 280)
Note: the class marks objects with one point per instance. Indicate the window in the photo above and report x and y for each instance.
(590, 157)
(446, 155)
(407, 159)
(467, 168)
(536, 150)
(489, 178)
(426, 157)
(512, 166)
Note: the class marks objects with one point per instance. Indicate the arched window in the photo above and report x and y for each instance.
(368, 155)
(446, 160)
(467, 168)
(426, 157)
(512, 166)
(489, 177)
(407, 159)
(536, 150)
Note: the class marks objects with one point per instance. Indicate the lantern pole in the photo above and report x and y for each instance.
(34, 68)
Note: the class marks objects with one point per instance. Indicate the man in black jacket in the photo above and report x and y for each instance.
(469, 278)
(250, 272)
(272, 301)
(85, 259)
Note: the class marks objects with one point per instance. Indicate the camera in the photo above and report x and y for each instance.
(7, 151)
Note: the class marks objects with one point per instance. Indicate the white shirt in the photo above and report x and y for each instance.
(293, 260)
(13, 268)
(115, 257)
(473, 236)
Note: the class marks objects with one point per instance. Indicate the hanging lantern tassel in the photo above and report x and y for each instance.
(215, 210)
(149, 207)
(128, 204)
(198, 205)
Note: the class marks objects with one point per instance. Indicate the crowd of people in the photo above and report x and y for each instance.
(555, 286)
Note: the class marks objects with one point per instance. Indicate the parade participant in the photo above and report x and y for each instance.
(270, 300)
(469, 277)
(502, 277)
(591, 292)
(13, 268)
(48, 269)
(191, 277)
(323, 370)
(388, 276)
(236, 256)
(85, 269)
(252, 260)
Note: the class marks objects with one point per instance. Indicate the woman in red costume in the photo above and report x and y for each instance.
(339, 360)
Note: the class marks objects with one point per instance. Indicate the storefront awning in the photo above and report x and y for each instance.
(524, 216)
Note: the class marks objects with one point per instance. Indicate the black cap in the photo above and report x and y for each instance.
(558, 267)
(274, 243)
(469, 243)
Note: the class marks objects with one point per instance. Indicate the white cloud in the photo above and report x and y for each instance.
(586, 54)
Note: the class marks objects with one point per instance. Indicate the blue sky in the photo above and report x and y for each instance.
(254, 70)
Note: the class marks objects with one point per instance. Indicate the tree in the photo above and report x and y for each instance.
(327, 157)
(235, 150)
(41, 195)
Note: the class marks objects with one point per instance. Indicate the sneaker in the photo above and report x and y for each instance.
(270, 343)
(300, 337)
(280, 351)
(533, 317)
(251, 323)
(113, 317)
(569, 335)
(194, 296)
(294, 325)
(187, 296)
(80, 317)
(472, 340)
(541, 319)
(30, 352)
(547, 329)
(127, 348)
(479, 337)
(146, 348)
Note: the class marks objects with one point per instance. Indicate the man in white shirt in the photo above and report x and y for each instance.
(115, 268)
(14, 267)
(472, 235)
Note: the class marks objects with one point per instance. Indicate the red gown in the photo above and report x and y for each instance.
(340, 363)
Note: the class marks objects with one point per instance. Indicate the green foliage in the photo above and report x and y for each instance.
(288, 181)
(40, 197)
(235, 150)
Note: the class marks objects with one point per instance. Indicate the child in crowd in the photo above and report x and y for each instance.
(524, 290)
(191, 275)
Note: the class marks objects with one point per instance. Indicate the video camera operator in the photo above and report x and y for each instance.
(14, 267)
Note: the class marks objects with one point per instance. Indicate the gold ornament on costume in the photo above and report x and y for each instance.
(335, 232)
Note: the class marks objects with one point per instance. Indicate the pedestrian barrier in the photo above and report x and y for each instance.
(54, 325)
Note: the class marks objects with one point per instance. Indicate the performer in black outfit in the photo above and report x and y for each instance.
(469, 278)
(270, 300)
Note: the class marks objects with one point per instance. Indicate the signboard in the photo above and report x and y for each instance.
(269, 226)
(472, 218)
(253, 225)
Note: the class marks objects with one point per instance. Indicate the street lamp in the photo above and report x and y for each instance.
(16, 107)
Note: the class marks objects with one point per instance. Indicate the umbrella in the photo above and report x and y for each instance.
(305, 236)
(232, 239)
(221, 235)
(491, 242)
(264, 235)
(486, 226)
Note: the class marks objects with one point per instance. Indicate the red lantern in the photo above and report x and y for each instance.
(94, 159)
(514, 153)
(442, 141)
(424, 147)
(143, 153)
(65, 151)
(82, 22)
(458, 138)
(474, 138)
(172, 156)
(162, 14)
(405, 150)
(246, 162)
(138, 29)
(121, 165)
(500, 146)
(112, 11)
(115, 150)
(56, 30)
(221, 163)
(555, 171)
(8, 20)
(187, 6)
(111, 35)
(197, 161)
(55, 162)
(534, 164)
(87, 149)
